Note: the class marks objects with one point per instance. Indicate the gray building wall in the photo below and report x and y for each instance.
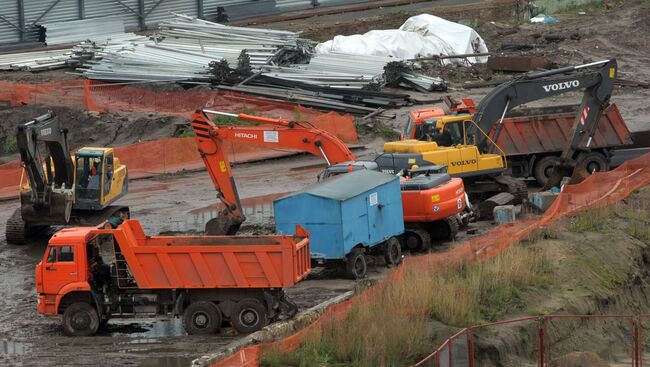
(19, 18)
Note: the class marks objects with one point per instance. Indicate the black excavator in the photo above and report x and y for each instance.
(62, 189)
(474, 155)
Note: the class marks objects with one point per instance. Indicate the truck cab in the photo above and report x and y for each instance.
(63, 275)
(424, 121)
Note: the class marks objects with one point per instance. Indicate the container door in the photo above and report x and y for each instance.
(376, 226)
(59, 269)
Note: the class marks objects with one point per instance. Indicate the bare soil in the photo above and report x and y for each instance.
(599, 265)
(182, 203)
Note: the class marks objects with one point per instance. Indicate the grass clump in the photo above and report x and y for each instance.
(483, 291)
(375, 127)
(186, 134)
(10, 145)
(594, 220)
(228, 120)
(393, 327)
(594, 7)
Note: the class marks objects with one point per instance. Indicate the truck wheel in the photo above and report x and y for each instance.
(594, 162)
(544, 168)
(249, 316)
(357, 266)
(202, 318)
(104, 321)
(417, 240)
(392, 252)
(80, 319)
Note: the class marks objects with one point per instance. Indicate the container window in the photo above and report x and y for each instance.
(66, 254)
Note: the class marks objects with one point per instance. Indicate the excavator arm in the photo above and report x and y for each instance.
(51, 187)
(283, 134)
(597, 85)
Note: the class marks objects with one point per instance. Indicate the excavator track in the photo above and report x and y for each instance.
(16, 231)
(513, 186)
(416, 239)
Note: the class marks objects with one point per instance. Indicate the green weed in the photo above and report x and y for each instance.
(10, 145)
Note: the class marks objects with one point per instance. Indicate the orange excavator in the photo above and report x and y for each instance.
(432, 203)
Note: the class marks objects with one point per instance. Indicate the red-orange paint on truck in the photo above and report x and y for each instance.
(206, 280)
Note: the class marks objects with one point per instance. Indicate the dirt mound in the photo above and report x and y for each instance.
(110, 129)
(579, 359)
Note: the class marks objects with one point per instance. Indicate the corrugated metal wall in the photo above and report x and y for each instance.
(103, 8)
(9, 13)
(40, 11)
(162, 11)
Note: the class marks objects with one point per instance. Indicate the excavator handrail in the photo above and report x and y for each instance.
(502, 153)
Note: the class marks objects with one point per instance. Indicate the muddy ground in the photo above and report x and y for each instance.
(183, 203)
(180, 203)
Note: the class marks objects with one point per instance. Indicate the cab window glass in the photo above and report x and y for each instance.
(51, 256)
(455, 131)
(66, 254)
(108, 173)
(409, 129)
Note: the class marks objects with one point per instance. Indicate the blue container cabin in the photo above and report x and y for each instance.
(353, 210)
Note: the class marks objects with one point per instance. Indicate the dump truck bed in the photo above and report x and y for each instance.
(546, 133)
(163, 262)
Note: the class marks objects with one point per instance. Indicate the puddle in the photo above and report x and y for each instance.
(257, 209)
(144, 331)
(167, 362)
(14, 348)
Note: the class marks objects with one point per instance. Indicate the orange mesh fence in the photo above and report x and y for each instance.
(121, 98)
(153, 157)
(598, 190)
(167, 155)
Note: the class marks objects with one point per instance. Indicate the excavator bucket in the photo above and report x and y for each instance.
(55, 210)
(223, 225)
(576, 172)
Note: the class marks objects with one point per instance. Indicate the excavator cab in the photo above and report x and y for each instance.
(99, 178)
(452, 144)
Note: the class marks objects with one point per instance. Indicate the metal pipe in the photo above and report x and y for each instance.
(220, 113)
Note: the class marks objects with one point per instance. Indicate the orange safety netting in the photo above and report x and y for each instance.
(166, 155)
(598, 190)
(95, 96)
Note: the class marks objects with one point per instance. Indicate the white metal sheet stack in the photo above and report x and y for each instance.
(333, 70)
(183, 48)
(35, 61)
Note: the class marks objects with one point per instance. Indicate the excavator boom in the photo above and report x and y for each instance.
(283, 134)
(531, 87)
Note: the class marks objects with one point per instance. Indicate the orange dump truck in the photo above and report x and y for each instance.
(205, 280)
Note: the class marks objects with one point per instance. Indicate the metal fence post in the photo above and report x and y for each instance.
(199, 9)
(21, 19)
(470, 348)
(141, 21)
(635, 343)
(82, 8)
(541, 329)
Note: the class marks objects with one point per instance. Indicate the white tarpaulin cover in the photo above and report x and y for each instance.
(420, 36)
